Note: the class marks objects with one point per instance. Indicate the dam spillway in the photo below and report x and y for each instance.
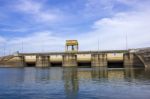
(64, 59)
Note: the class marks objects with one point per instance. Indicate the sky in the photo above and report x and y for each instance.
(45, 25)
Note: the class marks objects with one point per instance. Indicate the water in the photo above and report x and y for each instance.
(74, 83)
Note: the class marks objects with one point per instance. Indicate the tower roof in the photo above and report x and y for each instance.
(71, 42)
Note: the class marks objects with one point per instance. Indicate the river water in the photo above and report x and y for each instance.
(74, 83)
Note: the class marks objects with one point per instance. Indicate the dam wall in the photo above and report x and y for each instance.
(13, 61)
(101, 59)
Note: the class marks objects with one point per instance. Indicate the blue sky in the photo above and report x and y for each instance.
(44, 25)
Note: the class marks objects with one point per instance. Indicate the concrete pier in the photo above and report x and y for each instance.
(69, 60)
(99, 59)
(42, 61)
(130, 60)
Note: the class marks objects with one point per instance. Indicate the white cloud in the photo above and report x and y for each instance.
(38, 12)
(128, 1)
(13, 29)
(112, 31)
(94, 8)
(2, 40)
(36, 42)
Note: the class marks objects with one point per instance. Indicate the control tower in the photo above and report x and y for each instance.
(71, 46)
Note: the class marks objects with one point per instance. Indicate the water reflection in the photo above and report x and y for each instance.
(71, 76)
(42, 75)
(99, 72)
(124, 73)
(73, 83)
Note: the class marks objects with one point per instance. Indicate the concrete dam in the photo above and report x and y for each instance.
(74, 58)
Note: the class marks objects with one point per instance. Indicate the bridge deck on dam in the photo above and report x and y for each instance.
(79, 52)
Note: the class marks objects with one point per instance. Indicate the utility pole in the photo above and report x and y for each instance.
(9, 51)
(126, 41)
(42, 45)
(98, 45)
(4, 49)
(22, 47)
